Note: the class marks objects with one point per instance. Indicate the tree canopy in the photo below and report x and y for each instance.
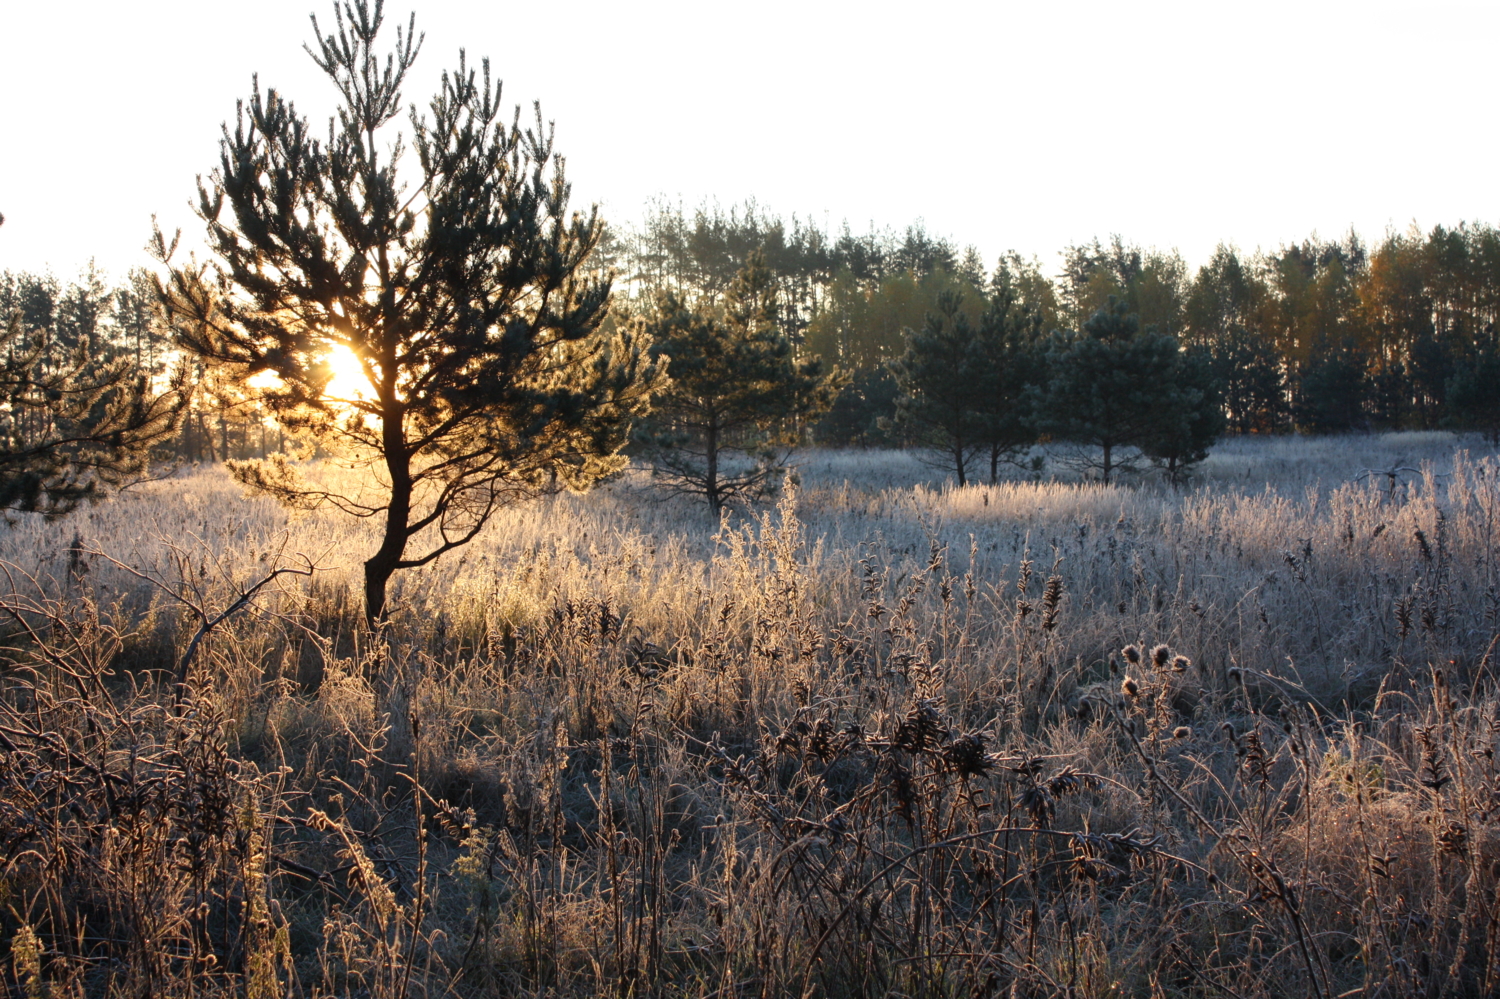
(965, 384)
(1115, 388)
(460, 288)
(78, 414)
(738, 398)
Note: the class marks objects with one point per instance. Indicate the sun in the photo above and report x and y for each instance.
(347, 384)
(349, 381)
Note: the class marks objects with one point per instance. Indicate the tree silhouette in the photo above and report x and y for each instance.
(464, 297)
(738, 397)
(73, 417)
(963, 384)
(72, 423)
(1113, 388)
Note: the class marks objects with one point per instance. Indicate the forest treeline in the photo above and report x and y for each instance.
(1315, 336)
(119, 324)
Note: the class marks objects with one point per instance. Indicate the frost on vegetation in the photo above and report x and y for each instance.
(884, 737)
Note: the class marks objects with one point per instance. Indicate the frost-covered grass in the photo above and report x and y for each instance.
(881, 736)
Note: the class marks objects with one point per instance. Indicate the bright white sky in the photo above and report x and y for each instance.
(1002, 124)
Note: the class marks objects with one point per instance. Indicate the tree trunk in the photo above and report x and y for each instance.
(711, 468)
(393, 679)
(206, 437)
(1108, 461)
(382, 565)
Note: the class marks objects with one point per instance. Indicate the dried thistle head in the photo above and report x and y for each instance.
(1131, 688)
(1071, 780)
(1182, 732)
(922, 728)
(1160, 656)
(1454, 839)
(965, 756)
(1180, 664)
(1132, 654)
(1422, 545)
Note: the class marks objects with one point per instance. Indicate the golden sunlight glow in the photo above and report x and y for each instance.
(349, 381)
(263, 380)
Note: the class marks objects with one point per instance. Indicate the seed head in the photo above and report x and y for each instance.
(1160, 656)
(1130, 687)
(1180, 664)
(1182, 732)
(1132, 654)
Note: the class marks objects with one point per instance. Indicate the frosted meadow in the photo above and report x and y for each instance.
(566, 692)
(877, 735)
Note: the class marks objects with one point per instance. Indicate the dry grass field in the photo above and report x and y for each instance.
(882, 737)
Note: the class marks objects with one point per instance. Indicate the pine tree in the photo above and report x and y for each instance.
(73, 422)
(738, 398)
(1010, 337)
(464, 297)
(1332, 387)
(943, 379)
(1473, 392)
(1248, 372)
(1112, 388)
(1193, 420)
(862, 415)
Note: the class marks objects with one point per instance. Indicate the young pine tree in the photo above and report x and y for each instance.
(942, 378)
(1010, 334)
(459, 288)
(73, 423)
(75, 417)
(1192, 423)
(964, 384)
(1473, 393)
(1114, 389)
(738, 398)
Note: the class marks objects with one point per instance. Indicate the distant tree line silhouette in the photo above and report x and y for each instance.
(1315, 336)
(922, 344)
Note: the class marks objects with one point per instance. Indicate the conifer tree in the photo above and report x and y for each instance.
(459, 287)
(73, 423)
(738, 397)
(1332, 387)
(1191, 424)
(1010, 335)
(1112, 388)
(1473, 393)
(943, 379)
(74, 419)
(965, 385)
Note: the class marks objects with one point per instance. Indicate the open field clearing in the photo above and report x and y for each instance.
(881, 736)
